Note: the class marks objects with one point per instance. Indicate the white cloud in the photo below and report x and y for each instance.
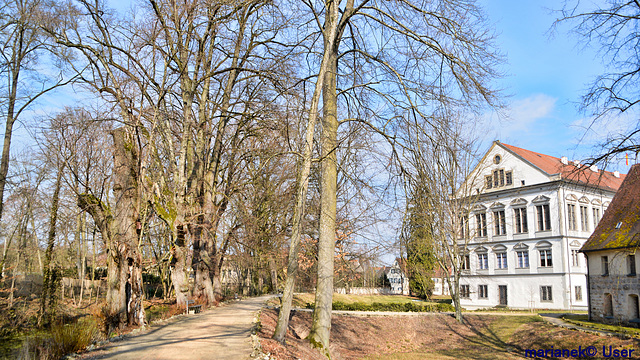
(521, 115)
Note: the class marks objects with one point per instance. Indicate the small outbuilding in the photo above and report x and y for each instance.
(613, 281)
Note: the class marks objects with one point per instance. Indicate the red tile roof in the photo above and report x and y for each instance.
(620, 224)
(581, 174)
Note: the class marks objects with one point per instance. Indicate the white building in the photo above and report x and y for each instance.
(398, 278)
(530, 217)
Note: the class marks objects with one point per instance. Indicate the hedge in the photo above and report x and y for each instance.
(398, 307)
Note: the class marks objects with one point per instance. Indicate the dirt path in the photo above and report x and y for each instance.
(221, 333)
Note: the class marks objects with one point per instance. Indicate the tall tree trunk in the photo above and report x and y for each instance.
(202, 263)
(321, 325)
(48, 296)
(8, 131)
(126, 282)
(301, 195)
(178, 270)
(120, 228)
(273, 272)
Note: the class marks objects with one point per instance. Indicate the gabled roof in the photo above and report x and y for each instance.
(620, 224)
(570, 172)
(402, 263)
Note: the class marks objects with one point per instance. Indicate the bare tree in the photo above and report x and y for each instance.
(613, 29)
(441, 186)
(22, 45)
(385, 61)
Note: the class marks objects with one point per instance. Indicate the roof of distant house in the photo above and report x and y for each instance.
(572, 171)
(402, 263)
(620, 224)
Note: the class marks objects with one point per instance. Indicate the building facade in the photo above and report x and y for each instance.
(614, 284)
(530, 215)
(398, 279)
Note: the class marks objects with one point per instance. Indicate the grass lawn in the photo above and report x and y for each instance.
(583, 320)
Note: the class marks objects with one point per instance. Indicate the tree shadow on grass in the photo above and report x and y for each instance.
(485, 343)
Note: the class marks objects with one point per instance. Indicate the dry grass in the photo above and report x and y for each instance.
(430, 337)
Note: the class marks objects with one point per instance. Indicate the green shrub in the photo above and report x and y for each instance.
(397, 307)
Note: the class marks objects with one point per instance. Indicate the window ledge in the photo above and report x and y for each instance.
(632, 275)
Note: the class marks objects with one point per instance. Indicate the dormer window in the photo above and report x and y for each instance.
(499, 178)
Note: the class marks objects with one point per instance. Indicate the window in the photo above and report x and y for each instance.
(523, 258)
(481, 223)
(596, 217)
(545, 258)
(545, 293)
(499, 178)
(500, 225)
(483, 291)
(521, 220)
(634, 308)
(578, 291)
(501, 258)
(605, 265)
(575, 258)
(466, 263)
(483, 261)
(544, 217)
(584, 218)
(571, 215)
(464, 226)
(631, 265)
(608, 305)
(464, 291)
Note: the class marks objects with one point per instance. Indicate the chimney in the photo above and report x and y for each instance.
(593, 168)
(616, 174)
(576, 163)
(564, 160)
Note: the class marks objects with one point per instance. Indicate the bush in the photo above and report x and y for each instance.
(71, 338)
(397, 307)
(61, 340)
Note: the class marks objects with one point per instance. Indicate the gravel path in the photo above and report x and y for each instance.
(221, 333)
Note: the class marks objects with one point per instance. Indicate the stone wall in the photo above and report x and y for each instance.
(620, 287)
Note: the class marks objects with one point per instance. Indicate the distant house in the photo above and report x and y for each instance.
(397, 275)
(614, 285)
(440, 282)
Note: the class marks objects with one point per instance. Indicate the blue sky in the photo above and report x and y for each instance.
(547, 72)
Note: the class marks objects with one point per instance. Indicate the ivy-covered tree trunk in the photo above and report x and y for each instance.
(48, 290)
(178, 267)
(121, 228)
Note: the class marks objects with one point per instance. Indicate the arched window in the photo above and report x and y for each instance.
(634, 307)
(608, 305)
